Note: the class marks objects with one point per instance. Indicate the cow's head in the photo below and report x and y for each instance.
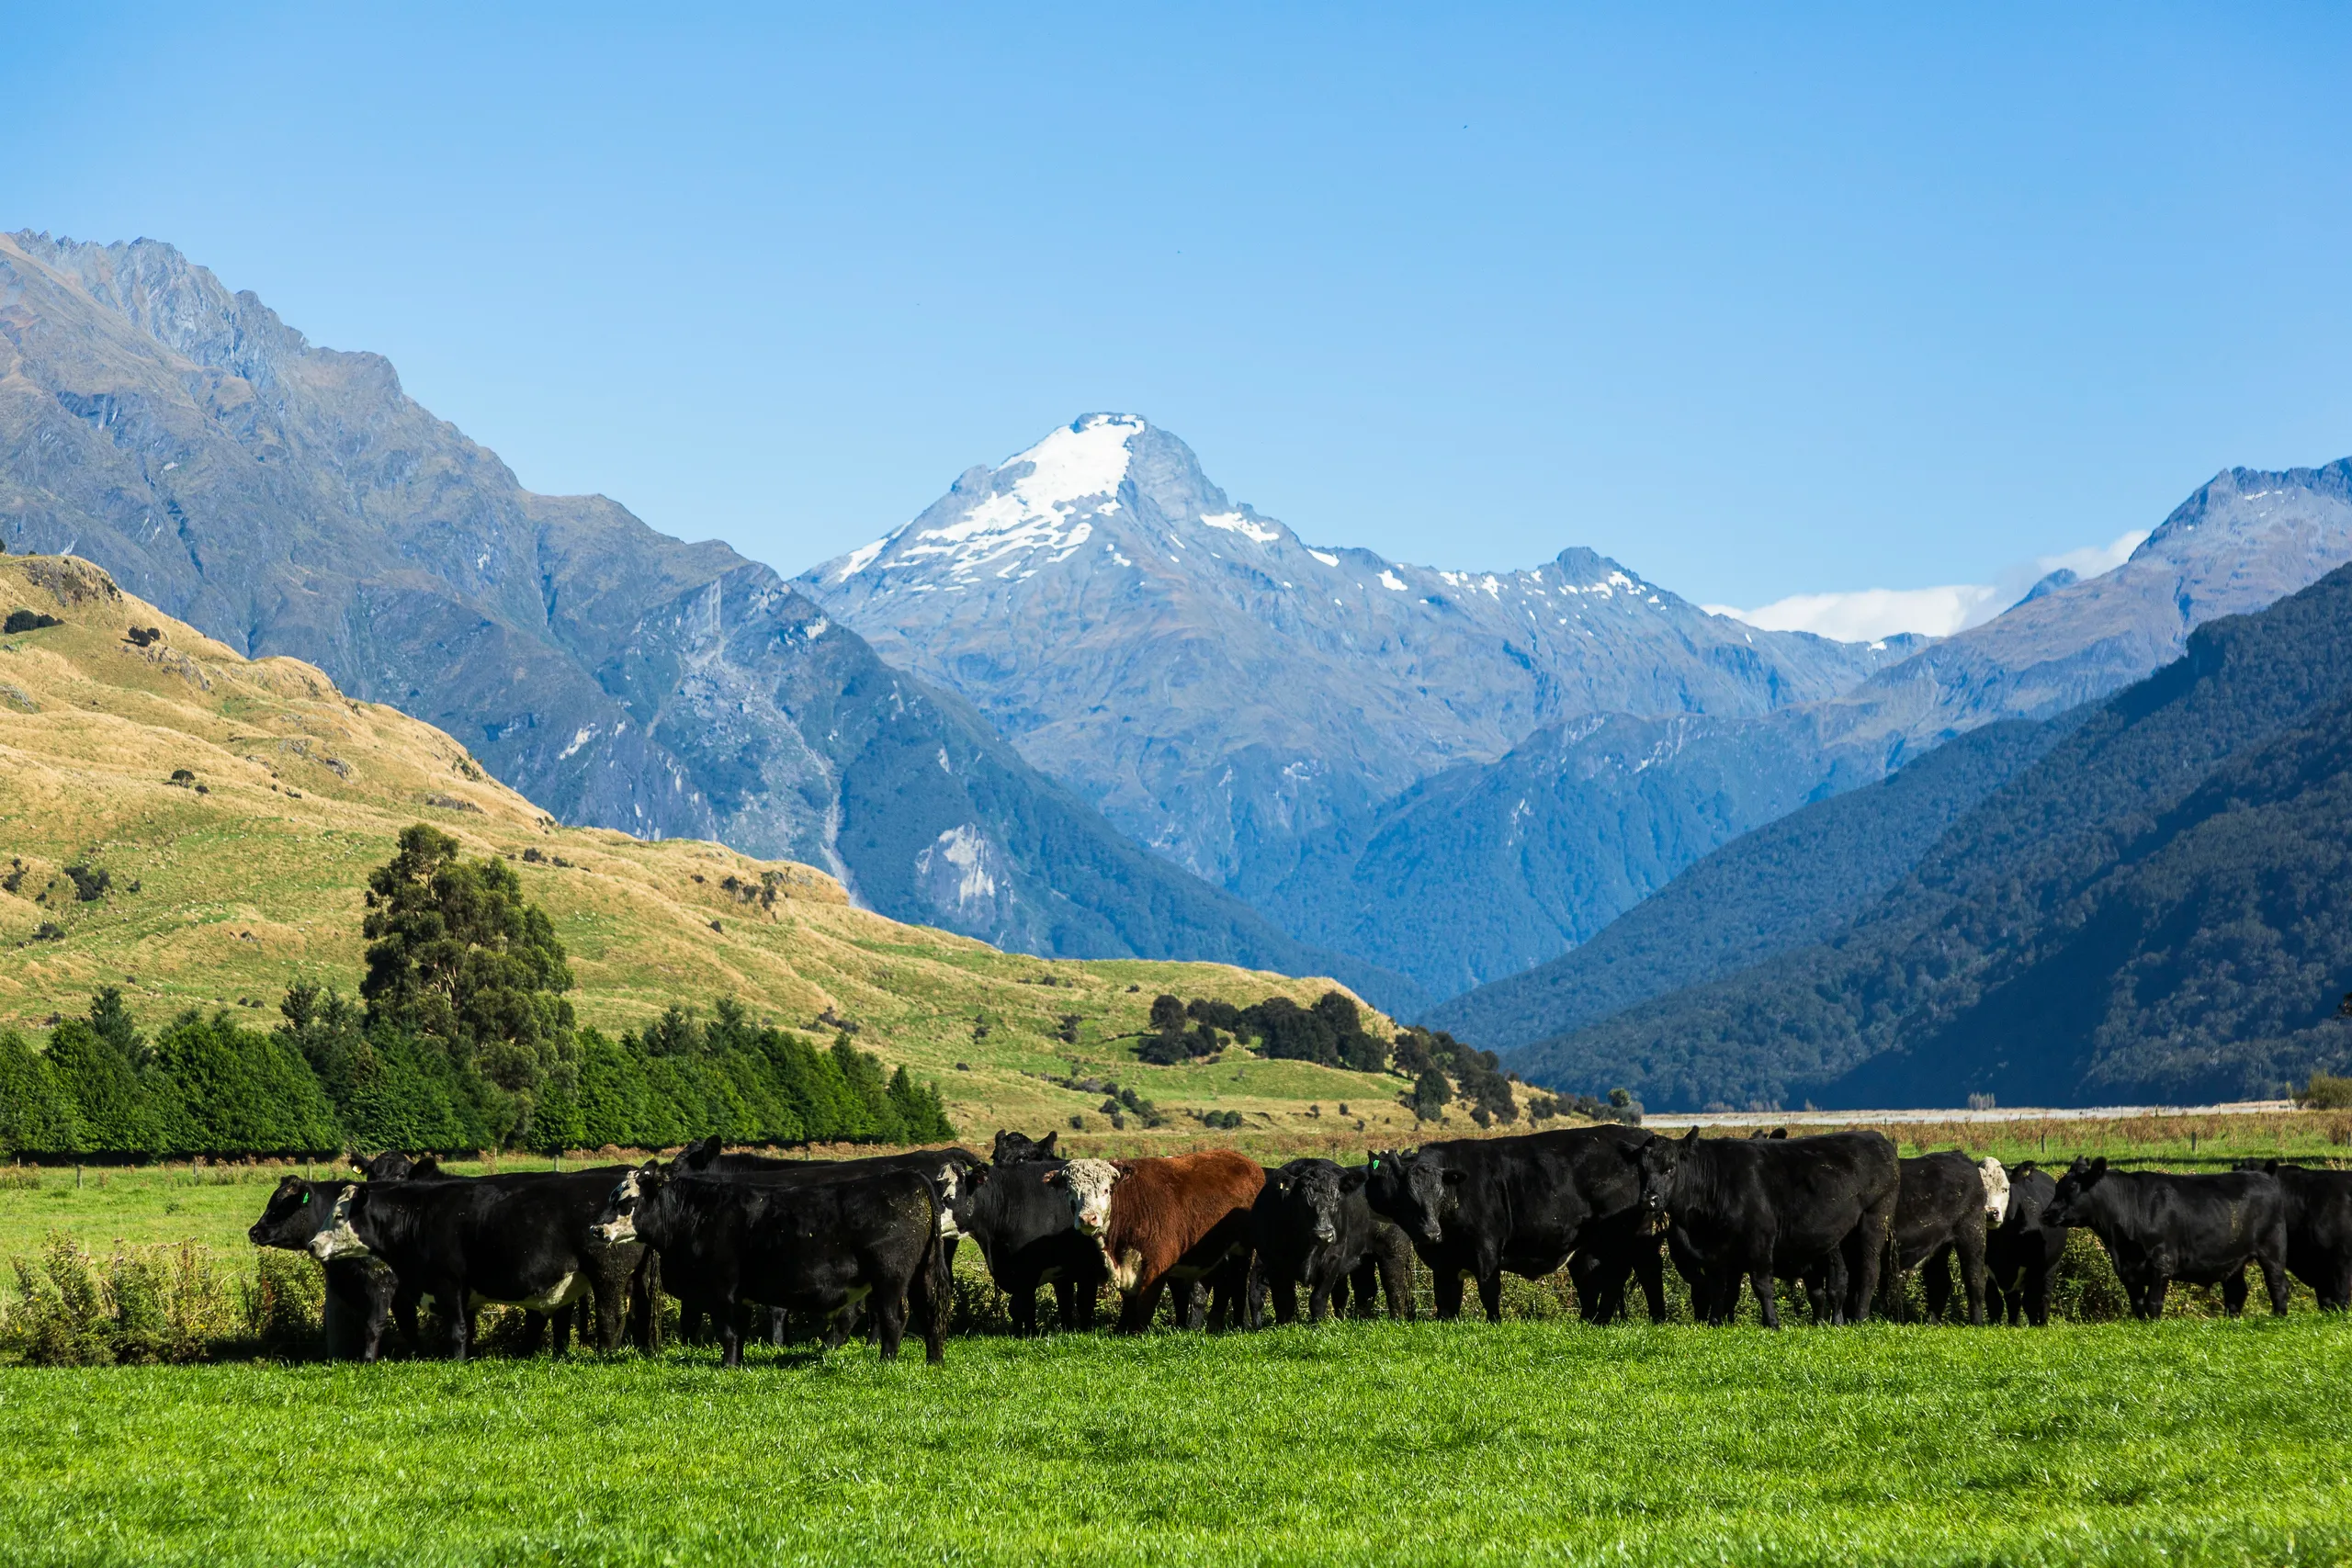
(1088, 1182)
(700, 1154)
(335, 1238)
(1661, 1163)
(1018, 1148)
(616, 1222)
(292, 1215)
(2070, 1205)
(1997, 1189)
(1420, 1193)
(389, 1165)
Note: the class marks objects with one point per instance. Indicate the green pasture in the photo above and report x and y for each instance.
(1356, 1442)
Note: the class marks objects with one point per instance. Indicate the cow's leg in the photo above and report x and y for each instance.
(1649, 1268)
(1935, 1281)
(1286, 1295)
(534, 1327)
(728, 1317)
(1449, 1293)
(2274, 1279)
(1086, 1296)
(2233, 1292)
(1760, 1280)
(1137, 1307)
(563, 1330)
(776, 1326)
(1863, 1251)
(2334, 1290)
(1318, 1299)
(889, 1323)
(1065, 1302)
(1587, 1273)
(2152, 1297)
(1020, 1302)
(1396, 1283)
(1364, 1288)
(931, 1295)
(1490, 1292)
(1256, 1307)
(1971, 1273)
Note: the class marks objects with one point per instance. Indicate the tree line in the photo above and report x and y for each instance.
(460, 1040)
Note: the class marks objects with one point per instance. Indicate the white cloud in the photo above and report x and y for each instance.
(1869, 613)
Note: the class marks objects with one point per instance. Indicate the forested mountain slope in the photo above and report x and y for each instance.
(1786, 884)
(2161, 908)
(290, 499)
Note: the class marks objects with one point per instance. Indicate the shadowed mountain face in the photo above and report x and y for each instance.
(1230, 695)
(2159, 908)
(290, 499)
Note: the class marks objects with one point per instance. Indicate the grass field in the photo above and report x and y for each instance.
(1423, 1443)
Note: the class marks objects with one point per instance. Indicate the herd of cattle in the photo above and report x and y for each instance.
(1219, 1234)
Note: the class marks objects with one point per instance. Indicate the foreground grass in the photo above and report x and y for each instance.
(1357, 1442)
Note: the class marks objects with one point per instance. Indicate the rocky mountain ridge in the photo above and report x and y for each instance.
(291, 499)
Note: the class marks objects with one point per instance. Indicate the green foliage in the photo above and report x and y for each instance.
(142, 1305)
(2327, 1091)
(241, 1091)
(21, 620)
(457, 955)
(37, 1115)
(1431, 1056)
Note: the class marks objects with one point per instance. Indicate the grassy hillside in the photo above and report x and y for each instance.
(229, 886)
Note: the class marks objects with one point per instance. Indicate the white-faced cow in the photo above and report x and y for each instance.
(2158, 1227)
(1477, 1207)
(1814, 1209)
(1941, 1212)
(821, 1247)
(1165, 1221)
(516, 1240)
(1021, 1226)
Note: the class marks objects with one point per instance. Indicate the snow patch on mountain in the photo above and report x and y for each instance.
(1077, 468)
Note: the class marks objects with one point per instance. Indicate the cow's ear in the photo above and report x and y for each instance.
(1046, 1143)
(1353, 1180)
(1692, 1136)
(2098, 1165)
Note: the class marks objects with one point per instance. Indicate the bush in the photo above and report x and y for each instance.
(143, 1304)
(28, 621)
(2327, 1091)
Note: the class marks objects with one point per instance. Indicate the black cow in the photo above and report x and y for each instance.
(815, 1246)
(1816, 1209)
(394, 1166)
(2158, 1227)
(1312, 1226)
(2022, 1253)
(1940, 1209)
(2319, 1228)
(1479, 1206)
(1022, 1225)
(1014, 1148)
(519, 1240)
(362, 1293)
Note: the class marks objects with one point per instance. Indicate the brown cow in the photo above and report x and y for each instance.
(1163, 1220)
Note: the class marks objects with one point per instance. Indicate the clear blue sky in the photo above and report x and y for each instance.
(1758, 300)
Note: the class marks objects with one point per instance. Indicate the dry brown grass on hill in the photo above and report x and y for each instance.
(244, 877)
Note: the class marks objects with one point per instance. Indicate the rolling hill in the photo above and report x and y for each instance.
(223, 888)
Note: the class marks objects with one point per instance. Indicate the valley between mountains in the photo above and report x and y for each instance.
(1088, 707)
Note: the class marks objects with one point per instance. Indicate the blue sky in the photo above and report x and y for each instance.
(1759, 300)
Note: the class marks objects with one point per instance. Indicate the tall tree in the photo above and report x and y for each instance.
(457, 955)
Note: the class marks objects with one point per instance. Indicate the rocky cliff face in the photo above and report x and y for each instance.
(1232, 695)
(291, 499)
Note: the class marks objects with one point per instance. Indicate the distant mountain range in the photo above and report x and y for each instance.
(2158, 907)
(290, 499)
(1231, 695)
(1461, 775)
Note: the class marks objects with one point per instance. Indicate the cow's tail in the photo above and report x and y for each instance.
(932, 1290)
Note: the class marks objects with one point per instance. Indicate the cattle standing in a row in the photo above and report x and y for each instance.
(1167, 1221)
(1815, 1208)
(2157, 1228)
(1478, 1207)
(822, 1246)
(1312, 1226)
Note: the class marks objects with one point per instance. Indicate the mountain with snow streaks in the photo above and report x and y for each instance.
(291, 499)
(1228, 694)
